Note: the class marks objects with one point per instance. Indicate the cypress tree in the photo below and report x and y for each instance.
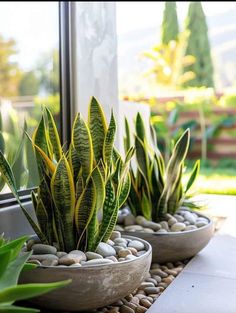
(170, 27)
(198, 45)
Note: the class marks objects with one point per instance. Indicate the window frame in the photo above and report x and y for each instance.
(65, 79)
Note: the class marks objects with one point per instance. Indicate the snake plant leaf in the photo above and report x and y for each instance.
(63, 193)
(27, 291)
(39, 137)
(74, 162)
(140, 128)
(146, 206)
(115, 155)
(179, 153)
(110, 214)
(82, 141)
(100, 197)
(193, 175)
(33, 175)
(54, 136)
(173, 199)
(50, 165)
(142, 158)
(127, 142)
(43, 219)
(98, 127)
(84, 209)
(124, 190)
(109, 142)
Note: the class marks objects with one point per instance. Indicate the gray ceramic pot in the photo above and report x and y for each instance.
(177, 246)
(91, 287)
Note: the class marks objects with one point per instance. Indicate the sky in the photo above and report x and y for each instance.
(143, 14)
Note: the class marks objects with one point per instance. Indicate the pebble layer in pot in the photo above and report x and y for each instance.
(76, 204)
(160, 205)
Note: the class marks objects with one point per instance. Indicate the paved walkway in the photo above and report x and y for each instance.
(208, 282)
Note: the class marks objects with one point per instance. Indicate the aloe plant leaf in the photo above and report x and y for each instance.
(5, 260)
(63, 193)
(27, 291)
(109, 141)
(193, 175)
(54, 136)
(84, 209)
(98, 128)
(82, 141)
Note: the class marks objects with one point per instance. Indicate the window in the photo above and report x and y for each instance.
(29, 78)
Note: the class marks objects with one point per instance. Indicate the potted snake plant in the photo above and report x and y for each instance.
(77, 204)
(160, 204)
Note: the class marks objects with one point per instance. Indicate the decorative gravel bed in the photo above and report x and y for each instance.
(159, 278)
(117, 249)
(183, 220)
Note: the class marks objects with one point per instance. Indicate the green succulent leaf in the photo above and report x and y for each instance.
(63, 193)
(82, 141)
(140, 128)
(109, 142)
(98, 128)
(193, 175)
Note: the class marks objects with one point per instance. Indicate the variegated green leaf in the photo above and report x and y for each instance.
(84, 211)
(54, 136)
(63, 193)
(74, 162)
(127, 142)
(82, 142)
(140, 128)
(146, 206)
(124, 190)
(98, 128)
(109, 142)
(193, 175)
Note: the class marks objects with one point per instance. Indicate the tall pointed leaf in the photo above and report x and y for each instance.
(98, 127)
(193, 175)
(63, 193)
(109, 141)
(82, 142)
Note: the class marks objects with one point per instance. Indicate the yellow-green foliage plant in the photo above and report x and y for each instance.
(77, 186)
(157, 189)
(12, 263)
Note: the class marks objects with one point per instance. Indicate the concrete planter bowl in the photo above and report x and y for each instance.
(92, 287)
(177, 246)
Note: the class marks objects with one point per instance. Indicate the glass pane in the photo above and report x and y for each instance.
(29, 79)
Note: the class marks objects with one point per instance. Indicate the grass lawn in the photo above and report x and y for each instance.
(216, 181)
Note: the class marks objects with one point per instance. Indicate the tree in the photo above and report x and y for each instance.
(10, 73)
(198, 46)
(170, 26)
(29, 84)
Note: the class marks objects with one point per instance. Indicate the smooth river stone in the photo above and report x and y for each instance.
(154, 226)
(190, 227)
(119, 241)
(118, 228)
(141, 220)
(93, 255)
(50, 262)
(39, 248)
(41, 257)
(129, 220)
(60, 254)
(115, 234)
(70, 259)
(138, 245)
(178, 227)
(179, 218)
(151, 290)
(97, 262)
(201, 223)
(164, 225)
(123, 253)
(190, 217)
(172, 221)
(133, 228)
(105, 250)
(80, 254)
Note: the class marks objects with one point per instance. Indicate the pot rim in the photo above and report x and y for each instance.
(177, 233)
(148, 248)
